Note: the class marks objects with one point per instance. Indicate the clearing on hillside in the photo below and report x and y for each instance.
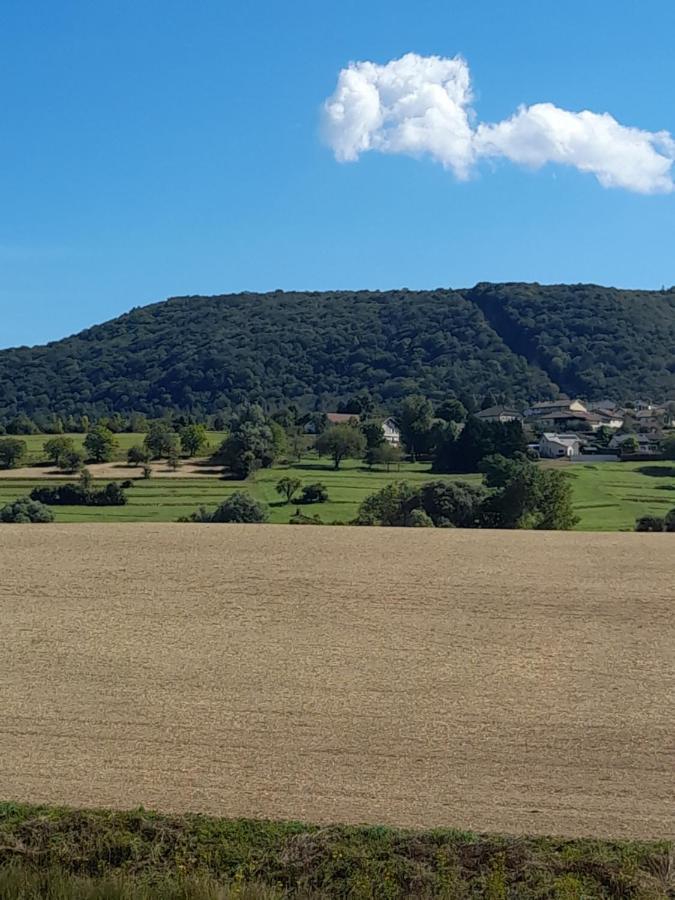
(506, 681)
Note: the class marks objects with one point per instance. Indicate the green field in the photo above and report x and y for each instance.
(607, 496)
(166, 499)
(611, 496)
(125, 440)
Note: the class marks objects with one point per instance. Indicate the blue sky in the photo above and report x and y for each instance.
(150, 149)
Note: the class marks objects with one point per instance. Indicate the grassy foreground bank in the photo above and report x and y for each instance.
(62, 853)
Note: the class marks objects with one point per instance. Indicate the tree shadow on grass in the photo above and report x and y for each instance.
(657, 471)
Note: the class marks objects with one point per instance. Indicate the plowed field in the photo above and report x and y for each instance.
(502, 681)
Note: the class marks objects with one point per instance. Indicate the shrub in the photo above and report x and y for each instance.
(669, 520)
(419, 519)
(650, 523)
(239, 507)
(314, 493)
(81, 494)
(26, 511)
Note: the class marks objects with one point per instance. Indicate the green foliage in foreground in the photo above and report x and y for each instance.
(144, 855)
(25, 511)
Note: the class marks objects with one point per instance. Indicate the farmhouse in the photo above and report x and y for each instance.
(555, 446)
(392, 433)
(499, 414)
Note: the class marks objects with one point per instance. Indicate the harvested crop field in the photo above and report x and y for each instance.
(502, 681)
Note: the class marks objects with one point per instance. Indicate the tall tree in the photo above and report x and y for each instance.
(415, 420)
(341, 442)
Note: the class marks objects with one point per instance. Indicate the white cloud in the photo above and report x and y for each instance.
(422, 105)
(412, 105)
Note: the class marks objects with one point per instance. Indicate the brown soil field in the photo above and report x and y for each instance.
(503, 681)
(118, 470)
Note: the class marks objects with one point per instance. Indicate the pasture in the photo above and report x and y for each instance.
(516, 682)
(607, 496)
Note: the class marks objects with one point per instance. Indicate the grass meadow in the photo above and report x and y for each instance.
(607, 496)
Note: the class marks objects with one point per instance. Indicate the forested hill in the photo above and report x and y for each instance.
(516, 342)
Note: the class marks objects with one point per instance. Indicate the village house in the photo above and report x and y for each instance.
(556, 446)
(551, 407)
(390, 430)
(499, 414)
(648, 445)
(392, 433)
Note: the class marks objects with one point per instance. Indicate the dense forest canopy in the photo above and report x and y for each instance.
(200, 355)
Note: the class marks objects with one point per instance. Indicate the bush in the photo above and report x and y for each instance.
(419, 519)
(80, 495)
(314, 493)
(650, 523)
(25, 511)
(669, 521)
(239, 507)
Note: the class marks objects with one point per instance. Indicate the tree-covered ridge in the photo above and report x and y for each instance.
(515, 343)
(592, 341)
(203, 354)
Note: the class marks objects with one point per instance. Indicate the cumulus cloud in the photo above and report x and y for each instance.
(419, 105)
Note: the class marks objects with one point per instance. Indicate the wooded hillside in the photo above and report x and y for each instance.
(516, 342)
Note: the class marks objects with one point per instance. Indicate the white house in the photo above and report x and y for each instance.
(391, 431)
(556, 446)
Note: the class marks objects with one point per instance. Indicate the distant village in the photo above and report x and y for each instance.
(572, 429)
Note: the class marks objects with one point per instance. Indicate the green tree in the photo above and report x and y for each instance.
(373, 433)
(629, 446)
(415, 421)
(250, 444)
(72, 460)
(477, 440)
(555, 510)
(452, 410)
(668, 447)
(385, 454)
(138, 455)
(341, 442)
(391, 506)
(12, 452)
(26, 511)
(100, 444)
(160, 439)
(55, 447)
(287, 487)
(193, 439)
(173, 457)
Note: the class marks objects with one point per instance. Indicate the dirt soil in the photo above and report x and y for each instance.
(513, 682)
(116, 470)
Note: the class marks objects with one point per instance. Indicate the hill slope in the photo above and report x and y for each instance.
(203, 354)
